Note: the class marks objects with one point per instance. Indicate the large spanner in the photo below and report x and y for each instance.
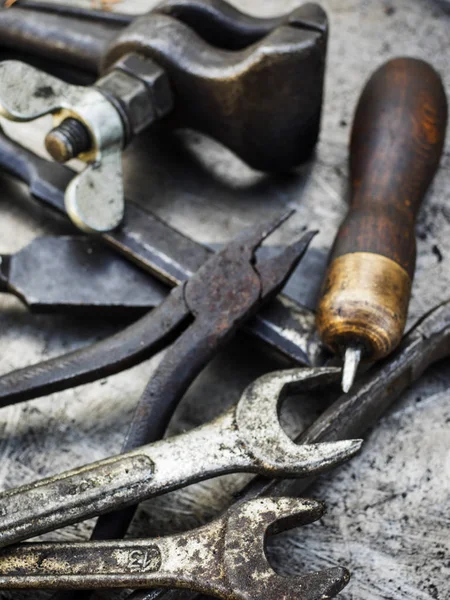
(225, 558)
(247, 438)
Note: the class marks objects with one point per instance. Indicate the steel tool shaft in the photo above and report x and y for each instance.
(396, 145)
(81, 37)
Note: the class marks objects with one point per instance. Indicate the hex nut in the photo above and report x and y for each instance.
(131, 98)
(154, 77)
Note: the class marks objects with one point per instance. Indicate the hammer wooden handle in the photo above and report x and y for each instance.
(396, 144)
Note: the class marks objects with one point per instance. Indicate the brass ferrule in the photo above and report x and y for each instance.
(364, 300)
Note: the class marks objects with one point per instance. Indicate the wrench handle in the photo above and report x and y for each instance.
(161, 562)
(124, 480)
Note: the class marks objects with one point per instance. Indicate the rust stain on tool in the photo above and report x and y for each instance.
(247, 438)
(225, 558)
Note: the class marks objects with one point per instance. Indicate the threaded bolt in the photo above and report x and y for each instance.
(68, 140)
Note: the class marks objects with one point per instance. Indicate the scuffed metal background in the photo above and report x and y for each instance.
(388, 518)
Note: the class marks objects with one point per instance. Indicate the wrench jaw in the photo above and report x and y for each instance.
(251, 576)
(226, 558)
(258, 422)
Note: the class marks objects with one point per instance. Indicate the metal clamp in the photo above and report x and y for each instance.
(214, 60)
(94, 199)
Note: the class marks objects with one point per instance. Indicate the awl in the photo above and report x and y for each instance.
(396, 144)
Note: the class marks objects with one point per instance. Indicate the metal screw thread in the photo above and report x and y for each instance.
(68, 140)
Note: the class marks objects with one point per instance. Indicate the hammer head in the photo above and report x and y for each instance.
(248, 572)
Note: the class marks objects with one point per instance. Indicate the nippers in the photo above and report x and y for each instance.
(202, 312)
(167, 254)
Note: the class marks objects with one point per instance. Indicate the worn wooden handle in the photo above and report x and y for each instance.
(396, 144)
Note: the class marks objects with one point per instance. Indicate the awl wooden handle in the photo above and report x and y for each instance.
(396, 144)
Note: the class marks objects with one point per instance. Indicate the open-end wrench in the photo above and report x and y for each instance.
(248, 437)
(353, 414)
(225, 558)
(167, 254)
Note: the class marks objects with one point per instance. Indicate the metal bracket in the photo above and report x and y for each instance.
(95, 198)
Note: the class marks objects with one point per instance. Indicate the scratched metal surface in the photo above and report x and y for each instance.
(388, 517)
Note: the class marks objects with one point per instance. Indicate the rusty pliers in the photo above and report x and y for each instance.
(155, 247)
(202, 313)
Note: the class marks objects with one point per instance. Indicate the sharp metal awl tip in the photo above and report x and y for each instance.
(352, 359)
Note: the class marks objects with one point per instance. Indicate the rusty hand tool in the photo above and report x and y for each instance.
(225, 558)
(247, 437)
(214, 322)
(205, 68)
(353, 414)
(161, 250)
(203, 312)
(396, 144)
(78, 275)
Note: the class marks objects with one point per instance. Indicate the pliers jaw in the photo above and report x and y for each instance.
(274, 272)
(250, 279)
